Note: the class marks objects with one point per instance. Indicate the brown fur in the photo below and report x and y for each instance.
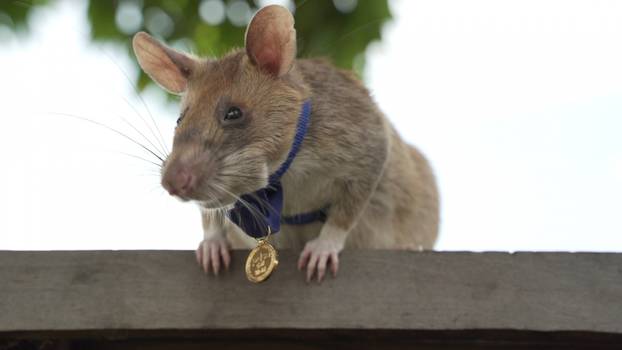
(381, 191)
(352, 156)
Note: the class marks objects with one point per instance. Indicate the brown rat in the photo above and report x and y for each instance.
(238, 120)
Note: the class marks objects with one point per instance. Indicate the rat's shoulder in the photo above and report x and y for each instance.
(320, 72)
(322, 66)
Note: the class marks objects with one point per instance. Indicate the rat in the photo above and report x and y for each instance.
(240, 116)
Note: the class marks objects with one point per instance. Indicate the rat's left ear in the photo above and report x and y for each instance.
(167, 67)
(271, 40)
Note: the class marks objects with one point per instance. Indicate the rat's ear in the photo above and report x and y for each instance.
(167, 67)
(271, 40)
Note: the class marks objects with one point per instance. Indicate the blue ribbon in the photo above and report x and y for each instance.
(260, 210)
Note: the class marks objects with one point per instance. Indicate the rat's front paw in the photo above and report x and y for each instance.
(316, 255)
(211, 252)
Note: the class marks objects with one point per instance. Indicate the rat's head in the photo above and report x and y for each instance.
(238, 113)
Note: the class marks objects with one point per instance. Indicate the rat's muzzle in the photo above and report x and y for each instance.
(179, 181)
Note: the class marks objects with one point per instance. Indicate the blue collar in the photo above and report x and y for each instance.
(260, 210)
(301, 131)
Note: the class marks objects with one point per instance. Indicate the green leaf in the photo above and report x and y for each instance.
(322, 30)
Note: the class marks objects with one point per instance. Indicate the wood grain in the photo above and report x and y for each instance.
(426, 293)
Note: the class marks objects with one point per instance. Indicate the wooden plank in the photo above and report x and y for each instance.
(305, 340)
(159, 291)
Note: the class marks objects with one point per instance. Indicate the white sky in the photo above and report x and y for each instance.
(518, 104)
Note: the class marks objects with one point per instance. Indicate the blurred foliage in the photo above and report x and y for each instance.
(338, 29)
(13, 13)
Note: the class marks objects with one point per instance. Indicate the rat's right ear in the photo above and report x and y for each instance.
(271, 40)
(167, 67)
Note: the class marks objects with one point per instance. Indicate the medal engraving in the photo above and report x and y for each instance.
(261, 261)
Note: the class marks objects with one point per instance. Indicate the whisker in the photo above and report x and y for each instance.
(240, 176)
(255, 214)
(148, 175)
(141, 158)
(161, 140)
(143, 135)
(265, 203)
(220, 211)
(110, 129)
(162, 148)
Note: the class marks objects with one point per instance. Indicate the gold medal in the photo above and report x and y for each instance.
(261, 261)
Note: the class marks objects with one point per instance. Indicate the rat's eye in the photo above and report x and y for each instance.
(233, 113)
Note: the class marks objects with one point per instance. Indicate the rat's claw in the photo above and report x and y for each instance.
(210, 253)
(226, 257)
(334, 266)
(215, 255)
(304, 258)
(316, 256)
(311, 266)
(321, 267)
(205, 257)
(202, 255)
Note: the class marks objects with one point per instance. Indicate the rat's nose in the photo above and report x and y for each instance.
(179, 181)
